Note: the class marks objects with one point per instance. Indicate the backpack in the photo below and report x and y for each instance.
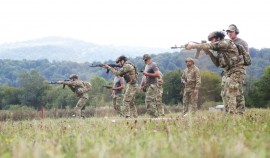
(242, 51)
(87, 86)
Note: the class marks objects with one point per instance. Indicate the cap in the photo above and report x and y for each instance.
(189, 59)
(232, 28)
(146, 56)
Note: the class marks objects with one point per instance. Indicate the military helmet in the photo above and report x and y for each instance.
(146, 56)
(73, 76)
(216, 34)
(189, 59)
(122, 57)
(233, 28)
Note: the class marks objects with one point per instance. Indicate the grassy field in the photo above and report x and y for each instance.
(206, 134)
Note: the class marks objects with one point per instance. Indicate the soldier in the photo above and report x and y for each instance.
(151, 73)
(191, 79)
(80, 88)
(230, 60)
(117, 93)
(159, 104)
(232, 32)
(129, 72)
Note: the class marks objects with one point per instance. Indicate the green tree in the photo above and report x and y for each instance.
(172, 87)
(8, 96)
(32, 88)
(259, 95)
(210, 87)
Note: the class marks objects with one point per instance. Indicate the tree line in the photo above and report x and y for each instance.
(23, 83)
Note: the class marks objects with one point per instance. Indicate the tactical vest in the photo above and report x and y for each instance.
(132, 76)
(230, 57)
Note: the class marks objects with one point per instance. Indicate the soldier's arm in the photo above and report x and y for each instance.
(125, 69)
(156, 72)
(198, 79)
(69, 83)
(183, 78)
(206, 46)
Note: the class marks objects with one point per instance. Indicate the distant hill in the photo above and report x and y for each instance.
(67, 49)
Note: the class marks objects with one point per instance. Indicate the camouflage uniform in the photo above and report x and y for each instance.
(78, 88)
(118, 95)
(192, 79)
(240, 99)
(129, 72)
(160, 106)
(229, 59)
(151, 89)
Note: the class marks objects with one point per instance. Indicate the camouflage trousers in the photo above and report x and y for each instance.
(129, 98)
(240, 99)
(190, 100)
(117, 103)
(232, 93)
(150, 100)
(80, 106)
(159, 104)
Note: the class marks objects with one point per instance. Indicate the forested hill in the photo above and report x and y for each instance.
(59, 70)
(67, 49)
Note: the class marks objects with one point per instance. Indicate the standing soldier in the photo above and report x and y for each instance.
(230, 60)
(232, 32)
(117, 93)
(151, 73)
(159, 104)
(81, 89)
(191, 79)
(129, 72)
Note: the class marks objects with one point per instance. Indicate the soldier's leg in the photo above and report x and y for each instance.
(194, 101)
(150, 100)
(240, 99)
(133, 109)
(232, 88)
(223, 92)
(186, 101)
(126, 101)
(114, 103)
(118, 104)
(79, 106)
(160, 107)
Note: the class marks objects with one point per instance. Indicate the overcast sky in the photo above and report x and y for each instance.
(149, 23)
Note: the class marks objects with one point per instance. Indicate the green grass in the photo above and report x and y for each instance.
(205, 134)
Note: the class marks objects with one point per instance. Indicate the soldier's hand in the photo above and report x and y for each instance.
(140, 88)
(106, 66)
(189, 46)
(145, 74)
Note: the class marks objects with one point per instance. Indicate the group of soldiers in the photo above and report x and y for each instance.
(228, 58)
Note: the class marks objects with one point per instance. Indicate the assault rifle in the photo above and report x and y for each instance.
(108, 87)
(101, 65)
(184, 46)
(55, 82)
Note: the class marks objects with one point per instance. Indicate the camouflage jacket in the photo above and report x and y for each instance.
(77, 87)
(227, 57)
(128, 71)
(191, 76)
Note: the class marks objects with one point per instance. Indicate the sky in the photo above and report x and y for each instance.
(147, 23)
